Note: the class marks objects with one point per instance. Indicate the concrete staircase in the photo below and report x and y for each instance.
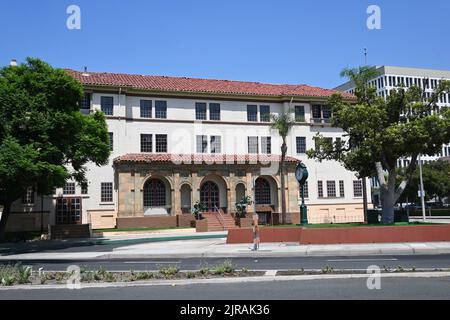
(219, 221)
(70, 231)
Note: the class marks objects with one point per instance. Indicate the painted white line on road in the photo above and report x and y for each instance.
(360, 260)
(271, 273)
(152, 262)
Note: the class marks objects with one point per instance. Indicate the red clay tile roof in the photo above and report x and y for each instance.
(178, 84)
(201, 158)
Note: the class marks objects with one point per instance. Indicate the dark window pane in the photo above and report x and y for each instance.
(200, 111)
(106, 192)
(69, 188)
(86, 102)
(264, 113)
(301, 145)
(107, 105)
(146, 143)
(216, 144)
(266, 145)
(111, 141)
(161, 109)
(300, 113)
(214, 111)
(146, 108)
(161, 143)
(252, 113)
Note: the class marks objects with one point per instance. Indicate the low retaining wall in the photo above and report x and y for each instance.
(155, 222)
(388, 234)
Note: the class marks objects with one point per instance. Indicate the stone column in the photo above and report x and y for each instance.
(176, 194)
(195, 187)
(250, 191)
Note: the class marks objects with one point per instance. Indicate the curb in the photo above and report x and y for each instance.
(174, 283)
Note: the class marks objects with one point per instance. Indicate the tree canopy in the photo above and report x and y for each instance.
(379, 132)
(44, 139)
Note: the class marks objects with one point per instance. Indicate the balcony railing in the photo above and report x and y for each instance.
(321, 121)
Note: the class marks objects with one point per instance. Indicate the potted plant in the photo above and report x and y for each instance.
(241, 208)
(198, 209)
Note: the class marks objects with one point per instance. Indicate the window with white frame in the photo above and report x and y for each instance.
(300, 113)
(200, 111)
(252, 113)
(111, 141)
(320, 189)
(357, 189)
(301, 145)
(161, 109)
(341, 189)
(106, 192)
(216, 144)
(107, 105)
(86, 102)
(331, 189)
(214, 111)
(264, 113)
(146, 143)
(161, 143)
(28, 196)
(266, 145)
(202, 144)
(69, 188)
(146, 108)
(253, 145)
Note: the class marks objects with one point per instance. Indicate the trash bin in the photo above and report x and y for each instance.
(373, 216)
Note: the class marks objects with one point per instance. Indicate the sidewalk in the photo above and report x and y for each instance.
(202, 248)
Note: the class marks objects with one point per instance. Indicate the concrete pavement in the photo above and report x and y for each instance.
(217, 247)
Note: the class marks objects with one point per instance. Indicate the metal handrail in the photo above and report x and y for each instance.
(221, 218)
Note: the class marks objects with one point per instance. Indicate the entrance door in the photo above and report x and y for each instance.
(209, 195)
(68, 211)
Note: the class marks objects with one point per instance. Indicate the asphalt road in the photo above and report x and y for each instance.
(341, 289)
(288, 263)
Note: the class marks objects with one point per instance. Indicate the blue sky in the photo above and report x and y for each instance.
(298, 41)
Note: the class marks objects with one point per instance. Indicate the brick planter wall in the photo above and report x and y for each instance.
(201, 225)
(147, 222)
(388, 234)
(245, 222)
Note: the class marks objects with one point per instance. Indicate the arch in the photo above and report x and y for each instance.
(156, 197)
(210, 195)
(263, 192)
(240, 191)
(186, 198)
(223, 189)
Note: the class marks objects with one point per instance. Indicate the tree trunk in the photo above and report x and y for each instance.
(283, 191)
(388, 203)
(3, 220)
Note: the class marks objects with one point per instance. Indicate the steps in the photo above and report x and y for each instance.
(72, 231)
(216, 224)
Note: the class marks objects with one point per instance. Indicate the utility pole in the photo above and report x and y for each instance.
(422, 192)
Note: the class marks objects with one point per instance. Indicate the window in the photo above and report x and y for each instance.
(107, 105)
(69, 188)
(266, 145)
(146, 143)
(86, 102)
(264, 113)
(154, 193)
(161, 143)
(216, 144)
(202, 144)
(84, 189)
(252, 113)
(341, 189)
(301, 145)
(111, 141)
(305, 189)
(320, 189)
(214, 111)
(253, 145)
(262, 191)
(200, 111)
(317, 113)
(161, 109)
(28, 196)
(326, 113)
(331, 189)
(146, 108)
(106, 192)
(357, 188)
(300, 113)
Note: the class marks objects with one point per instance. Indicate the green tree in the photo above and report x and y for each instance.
(44, 139)
(381, 131)
(283, 123)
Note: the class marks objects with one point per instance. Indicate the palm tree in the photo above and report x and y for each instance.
(283, 124)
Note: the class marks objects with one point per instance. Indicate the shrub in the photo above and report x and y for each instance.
(225, 267)
(169, 271)
(327, 269)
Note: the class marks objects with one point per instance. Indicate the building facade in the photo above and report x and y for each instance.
(389, 78)
(178, 141)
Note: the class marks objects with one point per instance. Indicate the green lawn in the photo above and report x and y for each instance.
(136, 229)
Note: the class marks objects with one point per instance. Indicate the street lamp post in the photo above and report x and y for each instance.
(301, 174)
(422, 191)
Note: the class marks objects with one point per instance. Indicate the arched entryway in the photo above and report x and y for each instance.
(263, 194)
(156, 197)
(240, 192)
(210, 196)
